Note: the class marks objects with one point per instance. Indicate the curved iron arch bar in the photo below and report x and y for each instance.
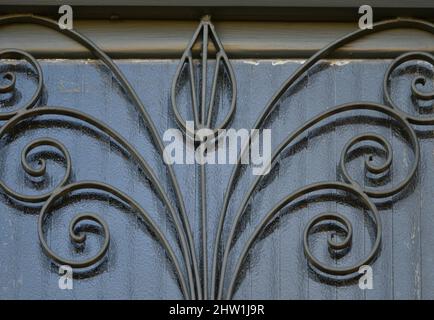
(90, 120)
(323, 53)
(94, 49)
(80, 238)
(370, 193)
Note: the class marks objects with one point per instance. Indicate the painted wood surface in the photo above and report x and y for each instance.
(136, 266)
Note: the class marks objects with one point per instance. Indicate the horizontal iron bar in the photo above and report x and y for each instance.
(126, 39)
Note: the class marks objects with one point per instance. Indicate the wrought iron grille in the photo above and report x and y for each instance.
(209, 82)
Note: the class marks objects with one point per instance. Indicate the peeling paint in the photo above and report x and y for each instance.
(339, 62)
(254, 62)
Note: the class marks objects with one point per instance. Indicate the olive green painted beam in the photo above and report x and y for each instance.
(168, 39)
(281, 10)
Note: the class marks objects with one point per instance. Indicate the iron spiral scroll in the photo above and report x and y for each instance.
(192, 282)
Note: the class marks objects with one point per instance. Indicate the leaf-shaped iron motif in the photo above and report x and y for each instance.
(203, 99)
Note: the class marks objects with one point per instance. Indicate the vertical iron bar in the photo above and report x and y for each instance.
(204, 71)
(213, 90)
(193, 90)
(204, 230)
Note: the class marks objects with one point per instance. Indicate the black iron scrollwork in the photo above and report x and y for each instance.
(219, 270)
(193, 284)
(20, 54)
